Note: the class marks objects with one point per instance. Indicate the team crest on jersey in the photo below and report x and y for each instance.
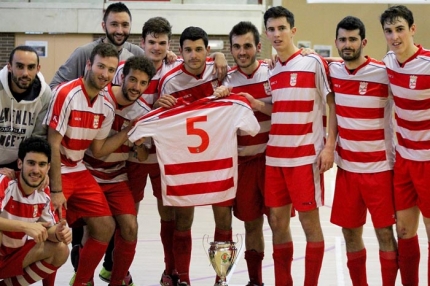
(267, 88)
(214, 84)
(363, 87)
(35, 210)
(96, 121)
(293, 79)
(412, 81)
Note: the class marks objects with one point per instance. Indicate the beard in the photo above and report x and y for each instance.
(27, 182)
(354, 55)
(20, 85)
(111, 38)
(127, 96)
(246, 65)
(92, 80)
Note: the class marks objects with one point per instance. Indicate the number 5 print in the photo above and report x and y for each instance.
(192, 130)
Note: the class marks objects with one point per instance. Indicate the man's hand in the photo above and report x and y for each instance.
(222, 91)
(221, 65)
(10, 173)
(58, 200)
(325, 159)
(166, 101)
(37, 230)
(171, 57)
(63, 232)
(44, 184)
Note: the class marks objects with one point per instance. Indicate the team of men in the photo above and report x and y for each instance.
(272, 160)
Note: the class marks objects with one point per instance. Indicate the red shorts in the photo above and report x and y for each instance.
(411, 185)
(119, 198)
(84, 197)
(11, 265)
(249, 202)
(137, 175)
(303, 186)
(357, 192)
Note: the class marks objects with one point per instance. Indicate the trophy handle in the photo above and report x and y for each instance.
(239, 242)
(205, 245)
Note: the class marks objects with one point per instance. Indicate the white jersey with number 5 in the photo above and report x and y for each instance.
(197, 148)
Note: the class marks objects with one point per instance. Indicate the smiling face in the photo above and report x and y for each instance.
(101, 72)
(156, 47)
(134, 84)
(244, 50)
(34, 169)
(194, 54)
(349, 44)
(23, 69)
(400, 37)
(117, 27)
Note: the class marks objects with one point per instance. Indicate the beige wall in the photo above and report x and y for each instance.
(59, 49)
(317, 23)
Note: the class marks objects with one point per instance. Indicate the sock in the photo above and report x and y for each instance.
(254, 261)
(282, 257)
(166, 234)
(313, 261)
(90, 257)
(357, 267)
(222, 235)
(50, 279)
(108, 260)
(182, 245)
(123, 256)
(32, 273)
(389, 267)
(409, 260)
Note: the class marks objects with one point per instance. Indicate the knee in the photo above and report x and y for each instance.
(254, 226)
(61, 254)
(101, 228)
(386, 238)
(129, 231)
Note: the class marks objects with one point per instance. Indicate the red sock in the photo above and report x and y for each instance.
(182, 245)
(32, 273)
(282, 257)
(123, 255)
(254, 261)
(50, 279)
(357, 267)
(389, 267)
(90, 256)
(166, 234)
(409, 260)
(313, 261)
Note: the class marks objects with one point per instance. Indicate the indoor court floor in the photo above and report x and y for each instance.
(148, 263)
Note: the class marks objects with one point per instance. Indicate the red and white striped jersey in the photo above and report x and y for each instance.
(364, 108)
(410, 85)
(79, 121)
(197, 148)
(16, 205)
(178, 82)
(111, 168)
(299, 89)
(256, 84)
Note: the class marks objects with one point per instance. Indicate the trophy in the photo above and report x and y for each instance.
(222, 255)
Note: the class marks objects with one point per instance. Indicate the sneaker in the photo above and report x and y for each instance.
(89, 283)
(74, 256)
(183, 284)
(105, 275)
(249, 284)
(128, 280)
(168, 280)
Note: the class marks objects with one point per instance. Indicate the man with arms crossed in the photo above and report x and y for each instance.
(80, 117)
(364, 152)
(296, 156)
(25, 212)
(408, 67)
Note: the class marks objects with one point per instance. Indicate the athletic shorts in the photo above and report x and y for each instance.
(303, 186)
(11, 265)
(355, 193)
(249, 202)
(411, 185)
(137, 175)
(119, 198)
(84, 197)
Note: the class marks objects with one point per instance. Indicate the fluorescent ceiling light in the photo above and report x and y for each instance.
(369, 1)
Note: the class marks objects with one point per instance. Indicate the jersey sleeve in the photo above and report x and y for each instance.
(248, 122)
(58, 113)
(142, 129)
(107, 122)
(321, 77)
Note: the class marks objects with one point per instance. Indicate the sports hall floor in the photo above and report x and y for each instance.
(148, 263)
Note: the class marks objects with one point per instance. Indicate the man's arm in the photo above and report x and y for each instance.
(57, 197)
(103, 147)
(37, 231)
(221, 65)
(258, 105)
(326, 157)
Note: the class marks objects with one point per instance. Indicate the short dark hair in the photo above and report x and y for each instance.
(194, 34)
(118, 7)
(243, 28)
(351, 23)
(36, 145)
(105, 50)
(157, 26)
(24, 49)
(392, 14)
(140, 63)
(278, 12)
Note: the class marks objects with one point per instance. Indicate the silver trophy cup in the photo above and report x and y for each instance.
(222, 255)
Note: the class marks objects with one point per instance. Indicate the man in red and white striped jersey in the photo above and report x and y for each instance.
(80, 117)
(364, 152)
(297, 154)
(408, 67)
(251, 76)
(32, 244)
(110, 171)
